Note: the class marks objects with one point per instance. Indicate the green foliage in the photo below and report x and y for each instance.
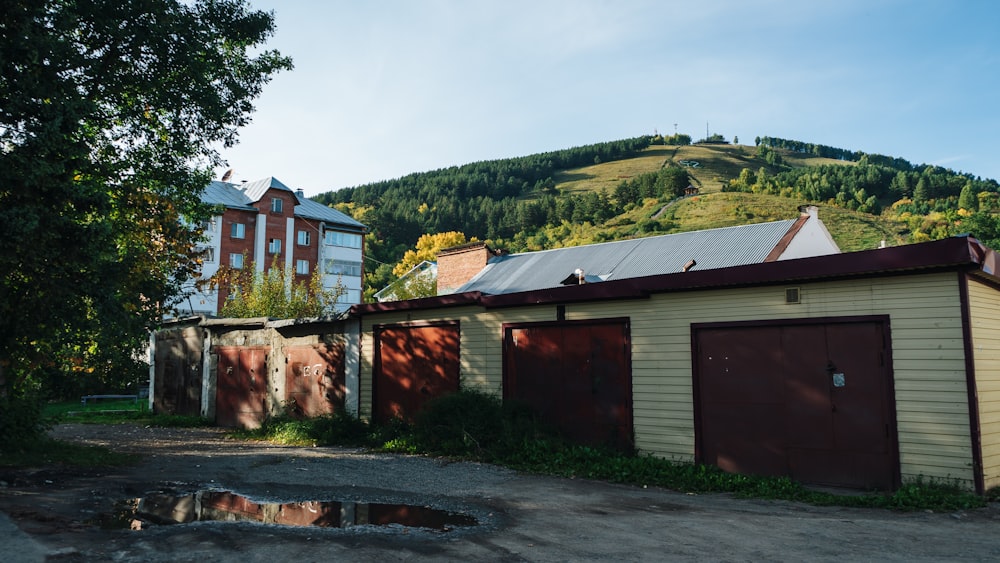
(667, 183)
(968, 198)
(339, 428)
(484, 200)
(678, 139)
(941, 496)
(427, 248)
(276, 292)
(475, 425)
(124, 411)
(21, 423)
(112, 117)
(985, 226)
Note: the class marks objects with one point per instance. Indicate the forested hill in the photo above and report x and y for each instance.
(478, 199)
(633, 187)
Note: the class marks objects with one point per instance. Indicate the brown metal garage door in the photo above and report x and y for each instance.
(241, 386)
(575, 375)
(809, 401)
(177, 378)
(413, 364)
(314, 379)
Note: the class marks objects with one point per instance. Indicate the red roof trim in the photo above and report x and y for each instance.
(782, 245)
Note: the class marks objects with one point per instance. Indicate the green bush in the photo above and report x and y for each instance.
(21, 422)
(342, 429)
(476, 425)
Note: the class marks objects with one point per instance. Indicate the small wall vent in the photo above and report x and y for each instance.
(792, 295)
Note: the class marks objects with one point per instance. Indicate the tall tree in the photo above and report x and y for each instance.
(427, 248)
(112, 115)
(968, 198)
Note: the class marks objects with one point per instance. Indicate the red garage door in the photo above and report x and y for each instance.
(241, 386)
(413, 364)
(575, 375)
(314, 379)
(808, 401)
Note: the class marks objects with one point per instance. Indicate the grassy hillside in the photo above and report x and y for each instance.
(710, 167)
(629, 188)
(850, 229)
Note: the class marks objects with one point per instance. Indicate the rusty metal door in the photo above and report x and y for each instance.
(241, 386)
(413, 364)
(809, 401)
(314, 379)
(576, 376)
(177, 378)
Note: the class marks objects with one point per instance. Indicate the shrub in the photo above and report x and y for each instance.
(21, 423)
(476, 425)
(343, 429)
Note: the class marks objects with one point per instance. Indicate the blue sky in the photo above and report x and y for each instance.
(383, 89)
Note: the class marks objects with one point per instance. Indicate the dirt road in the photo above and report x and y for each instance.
(58, 515)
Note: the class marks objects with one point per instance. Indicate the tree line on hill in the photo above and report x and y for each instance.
(514, 202)
(489, 200)
(933, 201)
(833, 152)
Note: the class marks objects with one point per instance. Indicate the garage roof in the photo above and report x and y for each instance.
(609, 261)
(962, 253)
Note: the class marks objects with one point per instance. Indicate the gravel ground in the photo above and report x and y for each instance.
(54, 514)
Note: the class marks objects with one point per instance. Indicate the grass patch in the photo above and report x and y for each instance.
(339, 429)
(116, 412)
(476, 426)
(46, 451)
(56, 452)
(607, 175)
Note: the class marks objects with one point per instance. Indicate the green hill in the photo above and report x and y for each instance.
(634, 187)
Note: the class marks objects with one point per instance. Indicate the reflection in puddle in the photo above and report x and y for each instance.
(226, 506)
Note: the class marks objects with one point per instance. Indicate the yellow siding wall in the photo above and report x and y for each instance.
(928, 356)
(984, 305)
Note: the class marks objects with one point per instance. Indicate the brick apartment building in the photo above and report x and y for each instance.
(264, 220)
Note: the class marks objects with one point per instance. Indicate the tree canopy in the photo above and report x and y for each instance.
(113, 112)
(275, 293)
(427, 248)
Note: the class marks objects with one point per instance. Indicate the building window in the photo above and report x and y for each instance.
(350, 297)
(302, 267)
(274, 247)
(239, 230)
(207, 226)
(337, 238)
(305, 238)
(275, 205)
(236, 261)
(343, 268)
(207, 255)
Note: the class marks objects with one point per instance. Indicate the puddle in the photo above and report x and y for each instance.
(225, 506)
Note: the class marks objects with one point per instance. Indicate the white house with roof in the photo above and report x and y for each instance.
(264, 221)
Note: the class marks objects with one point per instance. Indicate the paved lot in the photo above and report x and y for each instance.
(52, 514)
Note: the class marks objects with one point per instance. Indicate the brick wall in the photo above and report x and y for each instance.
(230, 245)
(459, 264)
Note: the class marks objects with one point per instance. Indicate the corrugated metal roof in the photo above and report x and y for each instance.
(242, 196)
(256, 189)
(309, 209)
(713, 248)
(224, 193)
